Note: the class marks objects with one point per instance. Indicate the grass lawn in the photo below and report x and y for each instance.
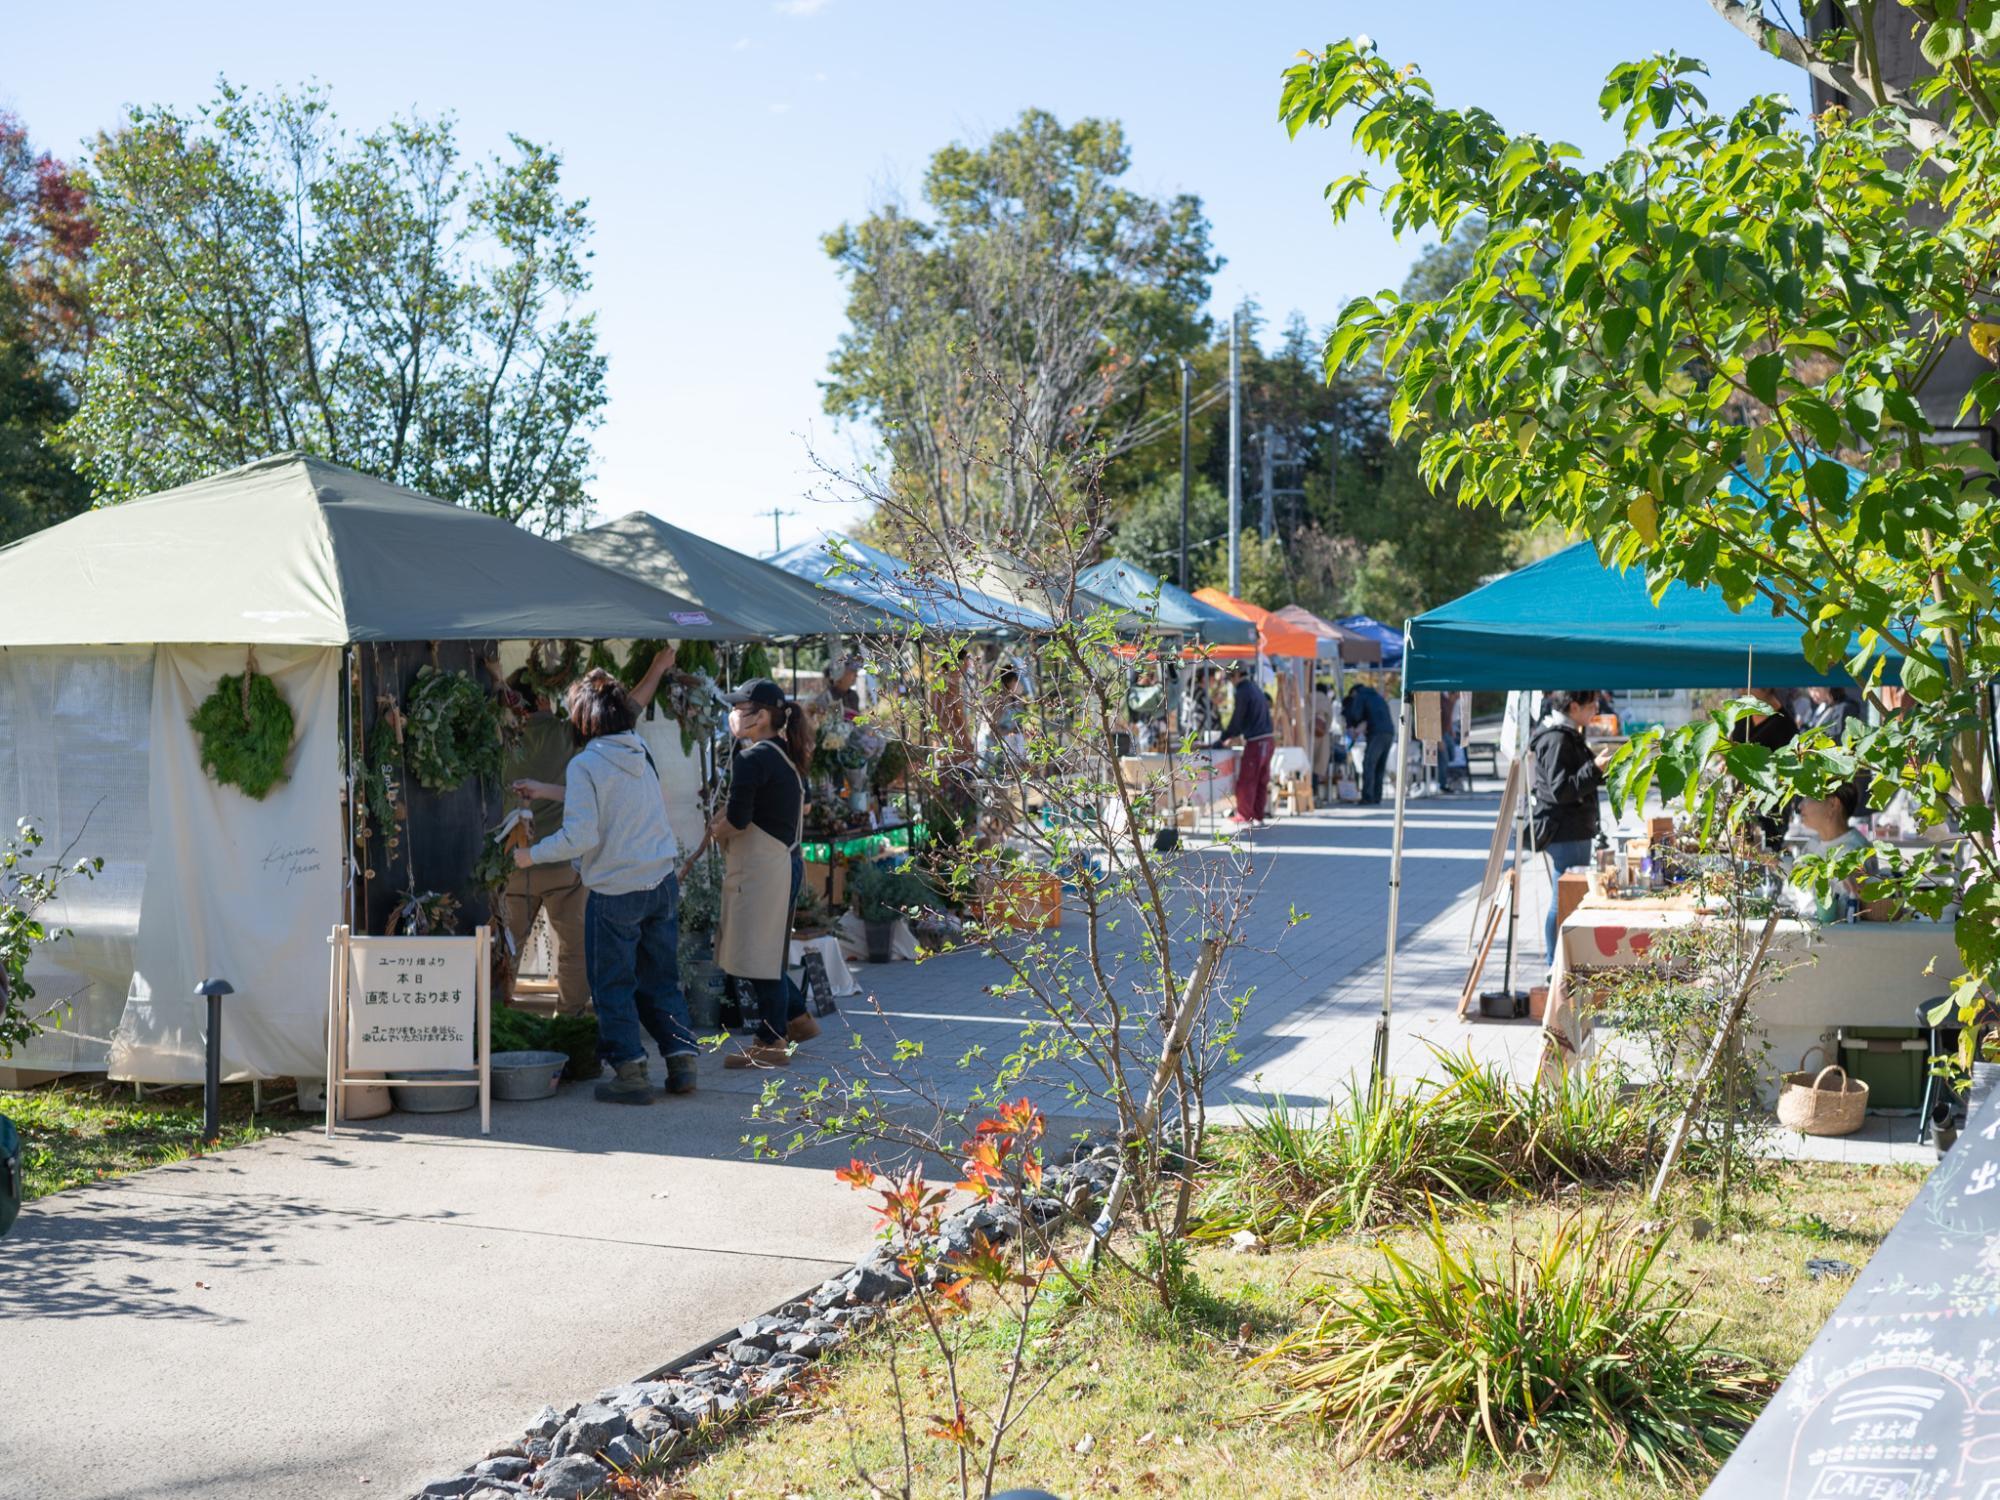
(78, 1133)
(1174, 1408)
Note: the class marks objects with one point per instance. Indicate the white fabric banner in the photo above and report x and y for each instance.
(237, 889)
(73, 741)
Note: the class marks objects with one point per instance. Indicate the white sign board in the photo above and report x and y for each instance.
(412, 1003)
(403, 1006)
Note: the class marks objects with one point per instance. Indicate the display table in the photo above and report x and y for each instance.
(1818, 978)
(827, 946)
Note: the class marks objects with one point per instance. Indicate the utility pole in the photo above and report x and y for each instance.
(1187, 373)
(1235, 457)
(777, 537)
(1270, 517)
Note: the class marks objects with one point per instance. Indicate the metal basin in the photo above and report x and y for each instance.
(436, 1101)
(527, 1075)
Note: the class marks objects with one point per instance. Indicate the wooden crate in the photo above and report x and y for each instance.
(816, 881)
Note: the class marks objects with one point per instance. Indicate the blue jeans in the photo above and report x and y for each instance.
(779, 1001)
(1564, 854)
(631, 949)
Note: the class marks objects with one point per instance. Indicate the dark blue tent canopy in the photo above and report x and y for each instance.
(1570, 621)
(1389, 639)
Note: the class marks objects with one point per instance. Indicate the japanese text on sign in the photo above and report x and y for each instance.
(412, 1003)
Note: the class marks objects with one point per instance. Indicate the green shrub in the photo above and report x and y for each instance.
(524, 1031)
(1367, 1160)
(1571, 1346)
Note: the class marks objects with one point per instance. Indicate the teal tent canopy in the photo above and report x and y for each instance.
(1169, 607)
(1570, 621)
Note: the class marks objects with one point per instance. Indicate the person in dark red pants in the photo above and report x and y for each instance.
(1250, 722)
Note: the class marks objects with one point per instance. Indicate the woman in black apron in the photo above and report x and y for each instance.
(760, 831)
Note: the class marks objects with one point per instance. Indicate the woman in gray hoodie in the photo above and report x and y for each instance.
(615, 831)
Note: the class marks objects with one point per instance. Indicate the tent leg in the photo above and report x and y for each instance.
(1520, 852)
(1380, 1071)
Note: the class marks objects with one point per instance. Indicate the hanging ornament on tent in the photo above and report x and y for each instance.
(245, 728)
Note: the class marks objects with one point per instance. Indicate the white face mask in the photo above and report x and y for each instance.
(738, 717)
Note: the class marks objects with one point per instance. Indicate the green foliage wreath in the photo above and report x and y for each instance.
(245, 728)
(453, 731)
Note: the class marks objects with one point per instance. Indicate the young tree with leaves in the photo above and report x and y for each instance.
(1035, 260)
(269, 283)
(1673, 352)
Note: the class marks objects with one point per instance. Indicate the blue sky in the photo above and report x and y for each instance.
(717, 142)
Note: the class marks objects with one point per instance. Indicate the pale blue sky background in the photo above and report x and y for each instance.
(717, 142)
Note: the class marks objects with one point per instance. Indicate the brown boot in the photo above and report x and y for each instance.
(760, 1055)
(802, 1028)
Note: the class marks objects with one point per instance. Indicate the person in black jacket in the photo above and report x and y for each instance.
(1563, 781)
(1250, 721)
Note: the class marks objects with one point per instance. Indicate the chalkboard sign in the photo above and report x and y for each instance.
(819, 989)
(1899, 1396)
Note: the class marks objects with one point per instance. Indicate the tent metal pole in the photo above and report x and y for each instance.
(1520, 844)
(350, 690)
(1379, 1073)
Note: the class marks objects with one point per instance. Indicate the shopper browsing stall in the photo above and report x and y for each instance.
(538, 759)
(760, 830)
(1563, 781)
(615, 830)
(1250, 721)
(1368, 711)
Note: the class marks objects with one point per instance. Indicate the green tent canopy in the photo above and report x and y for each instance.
(293, 550)
(755, 594)
(1570, 621)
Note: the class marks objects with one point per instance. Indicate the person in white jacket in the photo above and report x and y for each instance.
(615, 831)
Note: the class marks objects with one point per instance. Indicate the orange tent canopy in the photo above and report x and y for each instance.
(1278, 637)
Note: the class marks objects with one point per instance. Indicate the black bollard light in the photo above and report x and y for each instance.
(211, 1081)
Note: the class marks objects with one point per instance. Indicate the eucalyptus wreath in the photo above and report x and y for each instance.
(245, 728)
(452, 731)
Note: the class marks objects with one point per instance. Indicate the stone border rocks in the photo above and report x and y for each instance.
(570, 1454)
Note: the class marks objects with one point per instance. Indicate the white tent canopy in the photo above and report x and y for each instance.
(115, 625)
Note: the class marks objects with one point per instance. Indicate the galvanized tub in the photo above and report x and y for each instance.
(527, 1075)
(437, 1101)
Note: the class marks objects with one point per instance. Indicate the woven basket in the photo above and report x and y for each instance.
(1824, 1103)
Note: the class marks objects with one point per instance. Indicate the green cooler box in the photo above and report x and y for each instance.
(1892, 1061)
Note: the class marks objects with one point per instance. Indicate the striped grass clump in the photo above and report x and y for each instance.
(1382, 1157)
(1570, 1346)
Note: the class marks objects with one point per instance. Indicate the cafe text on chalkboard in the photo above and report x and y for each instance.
(1899, 1396)
(402, 1008)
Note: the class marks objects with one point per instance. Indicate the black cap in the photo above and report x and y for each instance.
(760, 691)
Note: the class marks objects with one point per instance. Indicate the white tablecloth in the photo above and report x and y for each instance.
(828, 948)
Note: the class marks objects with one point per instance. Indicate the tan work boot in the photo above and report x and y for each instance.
(802, 1028)
(760, 1055)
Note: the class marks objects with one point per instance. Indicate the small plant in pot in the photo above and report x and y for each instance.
(884, 892)
(701, 914)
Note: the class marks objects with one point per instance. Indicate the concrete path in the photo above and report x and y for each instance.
(306, 1318)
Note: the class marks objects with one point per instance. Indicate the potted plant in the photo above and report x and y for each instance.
(701, 913)
(884, 894)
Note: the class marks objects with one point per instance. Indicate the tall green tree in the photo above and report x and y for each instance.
(1021, 317)
(267, 282)
(46, 234)
(1670, 352)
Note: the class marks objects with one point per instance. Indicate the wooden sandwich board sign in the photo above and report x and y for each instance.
(398, 1006)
